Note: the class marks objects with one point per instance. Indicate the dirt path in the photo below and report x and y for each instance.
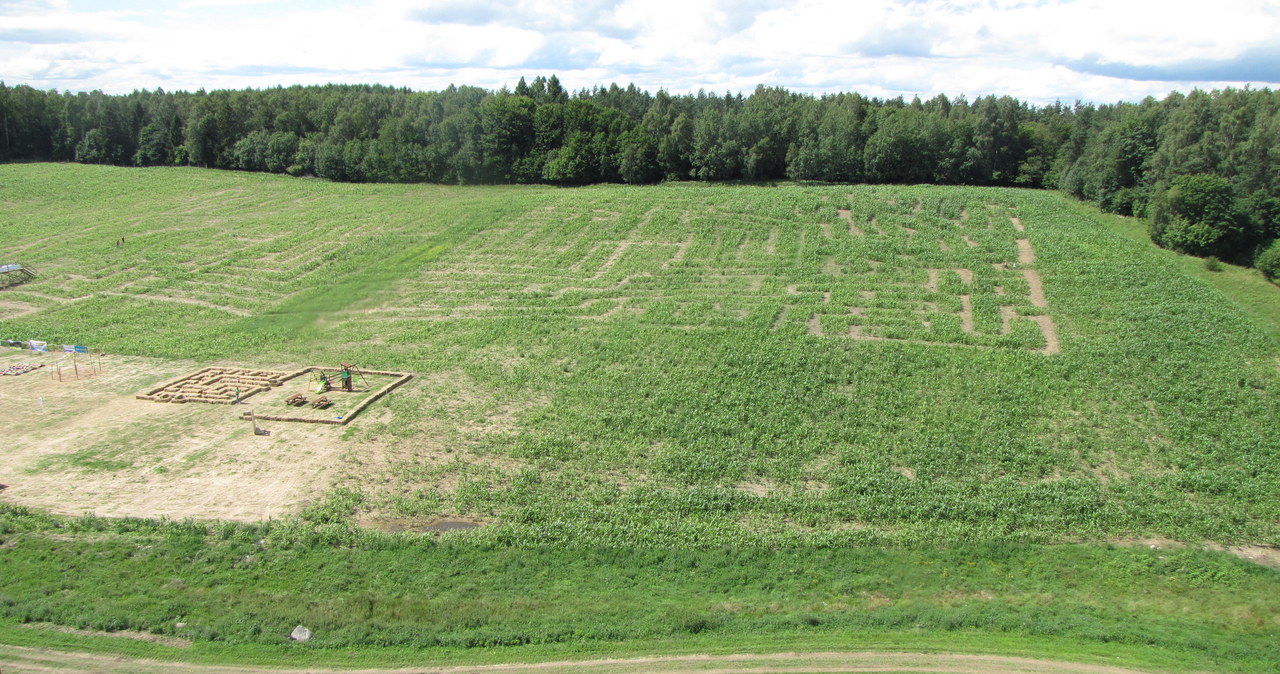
(1052, 344)
(11, 310)
(1025, 254)
(21, 659)
(1036, 286)
(848, 216)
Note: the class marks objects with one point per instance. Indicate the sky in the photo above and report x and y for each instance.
(1037, 50)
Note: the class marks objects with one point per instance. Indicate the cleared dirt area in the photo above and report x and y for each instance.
(21, 659)
(1026, 255)
(87, 445)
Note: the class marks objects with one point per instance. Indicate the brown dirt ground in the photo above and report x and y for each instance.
(931, 283)
(1264, 555)
(9, 310)
(1052, 344)
(1025, 253)
(22, 659)
(92, 447)
(1037, 288)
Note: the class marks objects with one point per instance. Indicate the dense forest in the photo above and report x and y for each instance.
(1203, 167)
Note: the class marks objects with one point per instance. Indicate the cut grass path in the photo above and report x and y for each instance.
(372, 273)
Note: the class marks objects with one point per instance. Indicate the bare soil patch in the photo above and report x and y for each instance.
(1037, 288)
(848, 216)
(1265, 555)
(10, 309)
(1050, 332)
(931, 282)
(123, 634)
(1025, 254)
(93, 447)
(815, 325)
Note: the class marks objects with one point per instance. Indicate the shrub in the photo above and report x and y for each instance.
(1269, 261)
(1198, 215)
(1212, 263)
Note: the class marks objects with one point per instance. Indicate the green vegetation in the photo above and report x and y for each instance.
(1201, 165)
(1269, 261)
(239, 585)
(680, 411)
(1247, 288)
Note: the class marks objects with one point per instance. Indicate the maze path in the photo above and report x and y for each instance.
(916, 270)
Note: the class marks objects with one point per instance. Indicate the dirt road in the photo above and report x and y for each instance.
(20, 659)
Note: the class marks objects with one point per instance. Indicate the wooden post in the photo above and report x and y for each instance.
(253, 418)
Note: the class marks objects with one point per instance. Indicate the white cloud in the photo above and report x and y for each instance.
(1039, 51)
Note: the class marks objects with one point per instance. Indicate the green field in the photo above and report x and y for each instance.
(684, 415)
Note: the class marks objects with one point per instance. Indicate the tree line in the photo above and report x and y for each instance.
(1203, 167)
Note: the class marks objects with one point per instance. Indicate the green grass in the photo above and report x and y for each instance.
(1246, 287)
(658, 402)
(245, 585)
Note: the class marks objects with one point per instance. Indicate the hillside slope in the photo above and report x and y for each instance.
(671, 413)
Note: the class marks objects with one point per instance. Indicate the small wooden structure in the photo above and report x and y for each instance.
(15, 273)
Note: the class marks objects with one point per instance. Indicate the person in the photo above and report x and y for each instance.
(237, 395)
(345, 376)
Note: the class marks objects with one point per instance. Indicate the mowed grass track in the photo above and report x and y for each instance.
(685, 414)
(790, 364)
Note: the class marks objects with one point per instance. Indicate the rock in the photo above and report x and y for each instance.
(178, 626)
(300, 633)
